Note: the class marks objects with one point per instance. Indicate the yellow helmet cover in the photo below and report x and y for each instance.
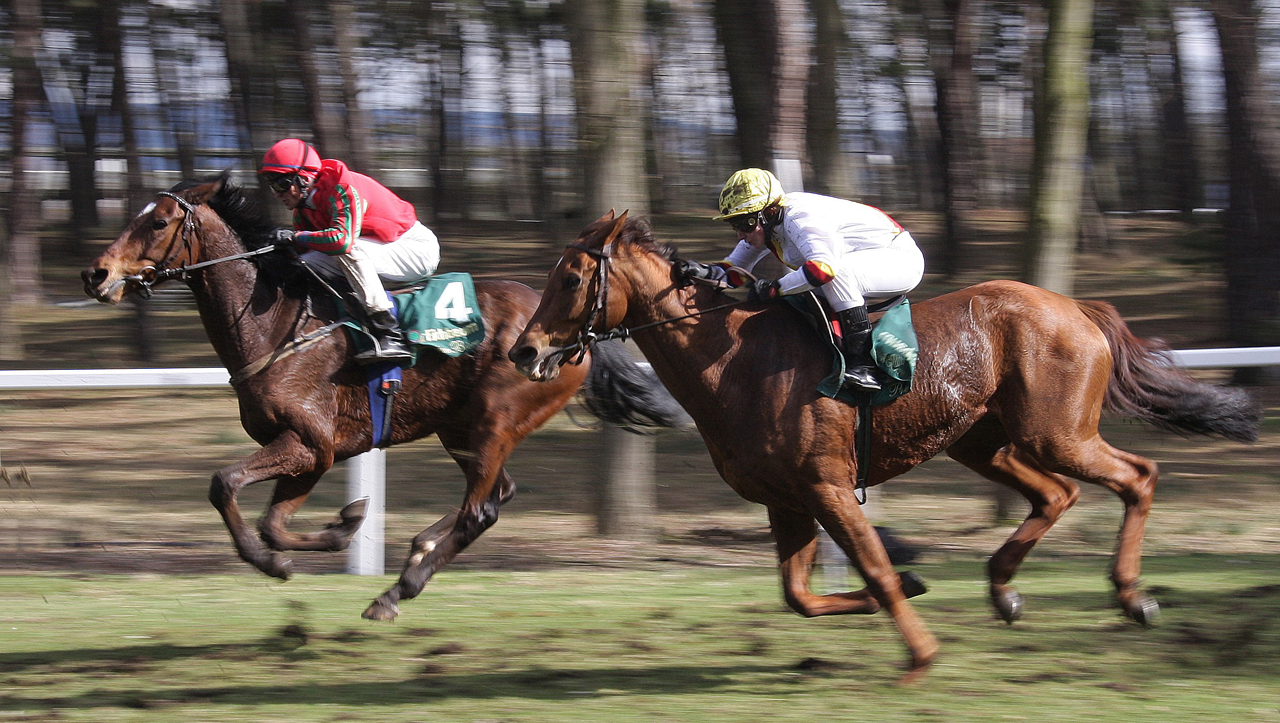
(748, 191)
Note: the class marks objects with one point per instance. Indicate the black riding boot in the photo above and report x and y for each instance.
(388, 342)
(856, 346)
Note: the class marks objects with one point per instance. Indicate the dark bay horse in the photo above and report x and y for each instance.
(1011, 382)
(311, 409)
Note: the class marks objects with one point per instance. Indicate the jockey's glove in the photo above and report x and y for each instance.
(687, 271)
(763, 290)
(282, 237)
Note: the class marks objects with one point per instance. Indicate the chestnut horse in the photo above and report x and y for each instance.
(311, 409)
(1011, 382)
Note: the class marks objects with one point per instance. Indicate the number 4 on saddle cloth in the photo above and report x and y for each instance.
(443, 314)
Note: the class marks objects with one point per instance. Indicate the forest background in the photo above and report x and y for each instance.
(1063, 113)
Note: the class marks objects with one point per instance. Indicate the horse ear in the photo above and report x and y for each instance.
(205, 191)
(605, 218)
(617, 229)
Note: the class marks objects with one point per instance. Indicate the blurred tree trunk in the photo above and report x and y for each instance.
(23, 259)
(831, 172)
(175, 96)
(542, 194)
(248, 77)
(19, 282)
(515, 197)
(1181, 169)
(448, 153)
(326, 123)
(1062, 124)
(953, 38)
(607, 81)
(924, 142)
(607, 89)
(143, 328)
(766, 47)
(347, 39)
(1251, 251)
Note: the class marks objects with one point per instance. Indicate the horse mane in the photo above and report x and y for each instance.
(237, 209)
(242, 214)
(636, 232)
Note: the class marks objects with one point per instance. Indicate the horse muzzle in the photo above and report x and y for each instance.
(540, 365)
(104, 285)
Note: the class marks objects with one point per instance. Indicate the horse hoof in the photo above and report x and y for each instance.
(278, 566)
(353, 514)
(1008, 604)
(380, 610)
(912, 584)
(1144, 610)
(920, 665)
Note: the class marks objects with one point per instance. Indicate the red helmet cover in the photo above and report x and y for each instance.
(291, 156)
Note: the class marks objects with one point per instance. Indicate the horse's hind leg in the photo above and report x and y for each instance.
(1050, 495)
(488, 487)
(283, 456)
(289, 495)
(795, 534)
(1133, 479)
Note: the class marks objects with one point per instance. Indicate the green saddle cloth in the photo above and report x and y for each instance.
(444, 314)
(894, 349)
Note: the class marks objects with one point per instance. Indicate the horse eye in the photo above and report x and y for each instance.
(572, 282)
(159, 225)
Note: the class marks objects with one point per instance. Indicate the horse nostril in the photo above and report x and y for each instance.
(93, 277)
(522, 355)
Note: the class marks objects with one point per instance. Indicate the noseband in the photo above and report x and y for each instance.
(587, 337)
(149, 276)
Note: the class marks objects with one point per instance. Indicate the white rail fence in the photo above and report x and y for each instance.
(366, 474)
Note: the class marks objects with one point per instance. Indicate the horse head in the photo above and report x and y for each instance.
(162, 236)
(576, 304)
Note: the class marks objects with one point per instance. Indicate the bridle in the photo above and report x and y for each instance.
(588, 336)
(149, 276)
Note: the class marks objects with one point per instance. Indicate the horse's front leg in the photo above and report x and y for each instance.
(835, 507)
(285, 455)
(795, 534)
(289, 495)
(436, 546)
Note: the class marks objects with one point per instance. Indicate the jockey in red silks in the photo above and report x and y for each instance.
(847, 250)
(346, 222)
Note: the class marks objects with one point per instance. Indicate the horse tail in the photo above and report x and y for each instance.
(1145, 385)
(620, 391)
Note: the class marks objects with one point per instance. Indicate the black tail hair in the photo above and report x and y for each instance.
(620, 391)
(1145, 385)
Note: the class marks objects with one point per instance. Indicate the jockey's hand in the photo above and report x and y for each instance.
(283, 238)
(687, 271)
(763, 290)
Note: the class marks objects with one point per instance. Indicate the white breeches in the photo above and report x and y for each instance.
(875, 273)
(407, 260)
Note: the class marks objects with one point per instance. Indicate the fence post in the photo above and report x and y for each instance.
(625, 496)
(366, 478)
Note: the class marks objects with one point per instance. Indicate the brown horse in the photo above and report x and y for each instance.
(311, 409)
(1011, 382)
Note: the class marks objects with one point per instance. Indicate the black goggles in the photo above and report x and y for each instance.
(281, 183)
(744, 224)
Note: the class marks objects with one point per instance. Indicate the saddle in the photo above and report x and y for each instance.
(894, 349)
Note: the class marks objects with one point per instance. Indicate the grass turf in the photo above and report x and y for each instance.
(668, 643)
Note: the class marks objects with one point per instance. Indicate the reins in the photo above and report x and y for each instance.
(588, 338)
